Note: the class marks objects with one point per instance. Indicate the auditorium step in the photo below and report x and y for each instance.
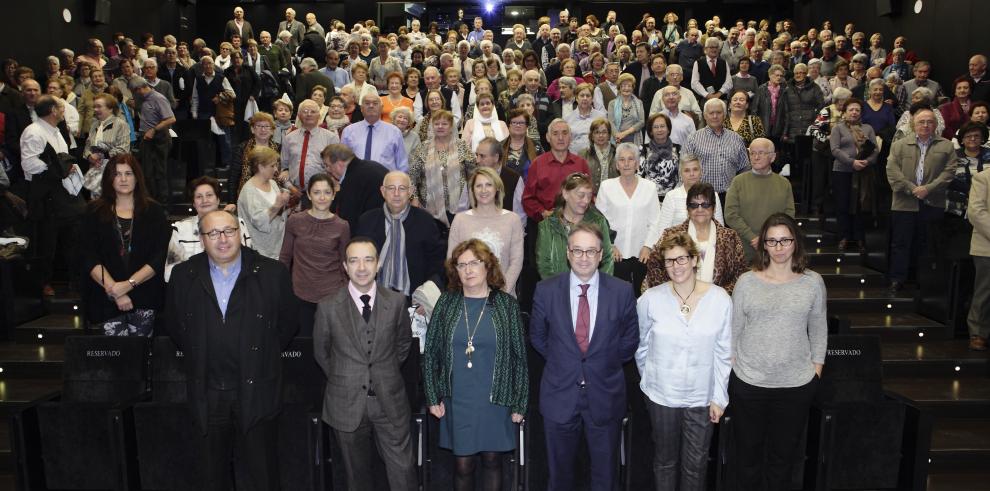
(945, 397)
(842, 300)
(934, 359)
(15, 394)
(830, 255)
(960, 444)
(958, 481)
(51, 329)
(852, 275)
(31, 360)
(897, 326)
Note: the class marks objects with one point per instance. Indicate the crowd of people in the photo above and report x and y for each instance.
(623, 184)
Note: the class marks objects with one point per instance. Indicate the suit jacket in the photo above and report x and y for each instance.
(313, 46)
(426, 249)
(306, 81)
(297, 29)
(349, 363)
(635, 69)
(940, 166)
(613, 343)
(17, 120)
(978, 213)
(360, 191)
(263, 308)
(231, 28)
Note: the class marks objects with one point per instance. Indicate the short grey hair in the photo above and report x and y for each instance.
(150, 61)
(138, 83)
(860, 57)
(924, 91)
(568, 81)
(627, 147)
(711, 103)
(713, 41)
(876, 81)
(308, 63)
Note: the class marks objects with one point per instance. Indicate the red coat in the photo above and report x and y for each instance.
(954, 117)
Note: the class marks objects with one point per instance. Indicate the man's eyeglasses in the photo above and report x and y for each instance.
(694, 206)
(682, 260)
(778, 242)
(215, 234)
(579, 253)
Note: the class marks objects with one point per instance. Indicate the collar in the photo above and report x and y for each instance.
(46, 126)
(925, 143)
(574, 281)
(356, 294)
(235, 265)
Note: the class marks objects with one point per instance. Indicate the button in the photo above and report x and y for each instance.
(250, 381)
(369, 342)
(365, 387)
(254, 348)
(369, 352)
(369, 365)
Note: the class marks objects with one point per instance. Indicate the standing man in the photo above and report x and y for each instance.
(232, 312)
(548, 171)
(361, 338)
(474, 37)
(722, 152)
(156, 119)
(360, 181)
(710, 77)
(978, 212)
(584, 324)
(276, 57)
(754, 196)
(374, 139)
(919, 169)
(301, 148)
(295, 28)
(978, 79)
(238, 26)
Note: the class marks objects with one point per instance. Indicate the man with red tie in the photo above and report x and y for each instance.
(301, 148)
(710, 77)
(584, 324)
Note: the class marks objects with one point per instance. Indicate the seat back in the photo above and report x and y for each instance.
(853, 372)
(302, 379)
(104, 369)
(168, 372)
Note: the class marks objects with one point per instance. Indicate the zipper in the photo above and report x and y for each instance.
(491, 392)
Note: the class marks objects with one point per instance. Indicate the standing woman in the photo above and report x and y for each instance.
(674, 209)
(488, 222)
(956, 111)
(109, 136)
(749, 126)
(123, 252)
(626, 112)
(779, 336)
(685, 344)
(660, 155)
(600, 154)
(582, 117)
(855, 152)
(261, 203)
(439, 170)
(394, 98)
(313, 250)
(484, 123)
(402, 118)
(629, 204)
(474, 367)
(573, 206)
(359, 82)
(518, 150)
(262, 129)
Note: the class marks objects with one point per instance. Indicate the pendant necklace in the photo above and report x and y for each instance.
(470, 332)
(685, 308)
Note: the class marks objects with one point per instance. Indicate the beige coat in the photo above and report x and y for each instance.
(978, 212)
(940, 165)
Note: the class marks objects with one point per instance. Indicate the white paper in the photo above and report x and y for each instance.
(74, 183)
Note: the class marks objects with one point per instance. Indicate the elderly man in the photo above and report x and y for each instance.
(295, 28)
(549, 170)
(412, 249)
(922, 69)
(608, 88)
(310, 77)
(301, 149)
(312, 46)
(754, 196)
(489, 154)
(238, 26)
(311, 24)
(541, 102)
(978, 213)
(919, 169)
(359, 182)
(94, 53)
(710, 77)
(177, 77)
(688, 102)
(235, 384)
(276, 56)
(549, 50)
(722, 152)
(163, 87)
(339, 76)
(21, 114)
(374, 139)
(156, 119)
(732, 50)
(689, 51)
(475, 36)
(668, 102)
(978, 79)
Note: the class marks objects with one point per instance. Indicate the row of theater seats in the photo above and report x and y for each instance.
(106, 430)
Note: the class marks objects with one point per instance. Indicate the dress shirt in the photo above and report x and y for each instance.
(543, 180)
(223, 284)
(356, 295)
(635, 219)
(722, 156)
(696, 79)
(575, 292)
(34, 139)
(919, 173)
(475, 36)
(684, 363)
(683, 126)
(387, 146)
(154, 109)
(292, 143)
(338, 76)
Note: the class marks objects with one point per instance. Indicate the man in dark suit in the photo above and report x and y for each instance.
(361, 337)
(585, 324)
(978, 79)
(412, 248)
(238, 26)
(311, 77)
(640, 68)
(232, 312)
(360, 181)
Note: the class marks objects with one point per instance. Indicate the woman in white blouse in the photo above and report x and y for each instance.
(684, 361)
(262, 203)
(484, 123)
(630, 204)
(674, 209)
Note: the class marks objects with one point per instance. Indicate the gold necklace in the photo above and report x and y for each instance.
(685, 308)
(470, 333)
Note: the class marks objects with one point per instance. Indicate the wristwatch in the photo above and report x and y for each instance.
(132, 282)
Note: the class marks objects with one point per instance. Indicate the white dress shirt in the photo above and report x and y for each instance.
(34, 139)
(682, 126)
(636, 219)
(575, 292)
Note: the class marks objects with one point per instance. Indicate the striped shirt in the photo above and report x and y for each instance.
(722, 156)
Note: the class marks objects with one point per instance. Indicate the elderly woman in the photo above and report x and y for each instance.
(629, 204)
(684, 360)
(108, 137)
(186, 241)
(484, 123)
(434, 103)
(922, 96)
(600, 154)
(821, 156)
(582, 117)
(359, 82)
(674, 209)
(877, 113)
(769, 103)
(262, 126)
(383, 66)
(742, 80)
(478, 87)
(395, 98)
(412, 88)
(402, 118)
(123, 251)
(858, 67)
(568, 68)
(495, 74)
(486, 221)
(439, 170)
(972, 158)
(262, 203)
(749, 126)
(814, 74)
(878, 54)
(519, 150)
(282, 112)
(57, 87)
(721, 260)
(778, 306)
(336, 119)
(528, 104)
(313, 251)
(802, 100)
(513, 81)
(842, 78)
(855, 152)
(659, 155)
(474, 366)
(573, 206)
(625, 112)
(956, 111)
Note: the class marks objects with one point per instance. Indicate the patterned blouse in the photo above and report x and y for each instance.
(750, 129)
(418, 167)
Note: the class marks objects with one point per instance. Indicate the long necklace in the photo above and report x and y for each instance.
(125, 244)
(685, 308)
(470, 332)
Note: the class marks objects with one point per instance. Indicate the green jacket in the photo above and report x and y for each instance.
(510, 383)
(551, 243)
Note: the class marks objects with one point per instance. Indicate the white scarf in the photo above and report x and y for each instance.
(706, 266)
(478, 132)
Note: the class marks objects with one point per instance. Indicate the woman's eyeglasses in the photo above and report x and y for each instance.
(681, 260)
(778, 242)
(694, 206)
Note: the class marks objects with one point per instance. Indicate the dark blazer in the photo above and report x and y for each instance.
(613, 343)
(426, 249)
(635, 68)
(360, 191)
(349, 363)
(100, 244)
(263, 309)
(182, 91)
(245, 85)
(231, 28)
(557, 108)
(651, 86)
(981, 89)
(313, 46)
(306, 81)
(17, 120)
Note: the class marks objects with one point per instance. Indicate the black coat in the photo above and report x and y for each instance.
(306, 81)
(635, 69)
(262, 308)
(425, 248)
(651, 86)
(245, 85)
(313, 46)
(16, 121)
(100, 244)
(360, 191)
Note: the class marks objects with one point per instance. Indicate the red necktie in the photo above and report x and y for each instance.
(583, 329)
(712, 64)
(302, 161)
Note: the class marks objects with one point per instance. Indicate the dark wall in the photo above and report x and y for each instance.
(34, 29)
(947, 35)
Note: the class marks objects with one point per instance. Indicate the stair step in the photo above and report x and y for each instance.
(848, 276)
(945, 397)
(958, 481)
(827, 255)
(15, 394)
(934, 358)
(31, 361)
(872, 299)
(52, 329)
(63, 302)
(897, 326)
(960, 444)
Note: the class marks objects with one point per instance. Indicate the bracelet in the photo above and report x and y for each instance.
(132, 282)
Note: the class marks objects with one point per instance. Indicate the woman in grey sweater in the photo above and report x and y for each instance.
(852, 174)
(779, 335)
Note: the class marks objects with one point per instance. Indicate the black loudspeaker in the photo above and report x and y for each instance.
(888, 7)
(98, 11)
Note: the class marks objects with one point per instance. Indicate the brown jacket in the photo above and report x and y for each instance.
(978, 212)
(940, 166)
(730, 261)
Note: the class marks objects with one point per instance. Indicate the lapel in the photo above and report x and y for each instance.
(353, 320)
(600, 327)
(379, 313)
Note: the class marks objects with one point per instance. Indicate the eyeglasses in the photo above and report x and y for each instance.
(215, 234)
(760, 153)
(681, 260)
(394, 188)
(262, 127)
(694, 206)
(470, 264)
(778, 242)
(579, 253)
(517, 123)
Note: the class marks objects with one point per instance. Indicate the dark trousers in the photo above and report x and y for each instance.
(253, 451)
(979, 311)
(909, 238)
(154, 163)
(821, 163)
(307, 315)
(681, 437)
(394, 445)
(53, 235)
(850, 222)
(769, 424)
(563, 442)
(631, 270)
